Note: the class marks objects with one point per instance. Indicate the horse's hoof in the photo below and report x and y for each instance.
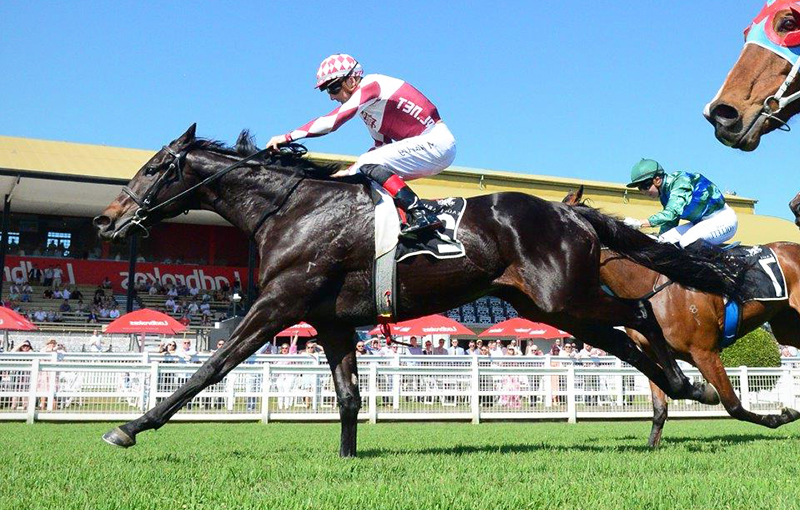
(709, 394)
(790, 413)
(118, 437)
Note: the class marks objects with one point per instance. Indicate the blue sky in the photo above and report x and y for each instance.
(578, 89)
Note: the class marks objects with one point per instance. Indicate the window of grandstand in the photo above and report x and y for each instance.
(62, 240)
(13, 238)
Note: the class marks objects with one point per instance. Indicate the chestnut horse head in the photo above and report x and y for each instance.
(759, 95)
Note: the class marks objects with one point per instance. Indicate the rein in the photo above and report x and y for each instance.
(656, 288)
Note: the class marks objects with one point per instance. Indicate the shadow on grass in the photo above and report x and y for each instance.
(727, 439)
(696, 443)
(505, 448)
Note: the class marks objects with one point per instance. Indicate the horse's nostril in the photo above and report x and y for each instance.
(724, 114)
(101, 221)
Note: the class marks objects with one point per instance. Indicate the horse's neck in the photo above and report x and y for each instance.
(624, 277)
(241, 196)
(243, 199)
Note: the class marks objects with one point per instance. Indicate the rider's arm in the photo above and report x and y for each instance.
(360, 99)
(680, 194)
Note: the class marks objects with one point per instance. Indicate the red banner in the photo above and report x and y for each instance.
(93, 272)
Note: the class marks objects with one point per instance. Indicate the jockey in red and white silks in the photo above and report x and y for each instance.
(411, 141)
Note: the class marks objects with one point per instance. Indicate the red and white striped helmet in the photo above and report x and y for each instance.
(336, 66)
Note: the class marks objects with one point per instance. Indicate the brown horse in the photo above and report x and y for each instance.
(315, 238)
(693, 323)
(761, 91)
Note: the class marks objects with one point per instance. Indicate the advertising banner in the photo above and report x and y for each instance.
(95, 271)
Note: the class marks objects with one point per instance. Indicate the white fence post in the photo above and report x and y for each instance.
(548, 384)
(620, 380)
(744, 387)
(34, 382)
(153, 385)
(396, 380)
(475, 391)
(265, 386)
(787, 388)
(571, 411)
(373, 392)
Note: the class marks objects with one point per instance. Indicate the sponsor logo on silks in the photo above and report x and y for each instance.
(149, 323)
(762, 31)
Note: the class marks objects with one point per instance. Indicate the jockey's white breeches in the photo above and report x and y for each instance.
(714, 229)
(419, 156)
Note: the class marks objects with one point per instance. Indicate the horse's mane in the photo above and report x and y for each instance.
(290, 159)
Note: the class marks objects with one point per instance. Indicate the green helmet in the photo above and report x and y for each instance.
(643, 170)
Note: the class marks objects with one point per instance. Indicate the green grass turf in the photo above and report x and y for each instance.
(701, 464)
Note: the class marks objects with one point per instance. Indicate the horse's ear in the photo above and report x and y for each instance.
(579, 194)
(188, 136)
(795, 12)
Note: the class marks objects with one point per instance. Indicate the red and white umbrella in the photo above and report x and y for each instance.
(428, 325)
(12, 321)
(146, 321)
(302, 329)
(523, 328)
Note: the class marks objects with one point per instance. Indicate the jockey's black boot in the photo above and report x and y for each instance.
(419, 221)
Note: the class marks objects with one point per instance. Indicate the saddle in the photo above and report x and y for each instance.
(389, 249)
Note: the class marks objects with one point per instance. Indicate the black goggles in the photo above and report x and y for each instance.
(645, 185)
(335, 86)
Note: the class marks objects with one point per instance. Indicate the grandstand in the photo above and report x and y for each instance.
(77, 321)
(482, 312)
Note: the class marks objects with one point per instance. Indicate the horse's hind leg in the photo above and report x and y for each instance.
(710, 365)
(340, 351)
(602, 309)
(659, 415)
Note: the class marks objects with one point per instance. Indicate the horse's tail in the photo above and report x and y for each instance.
(707, 270)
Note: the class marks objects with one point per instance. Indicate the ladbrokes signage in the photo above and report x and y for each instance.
(94, 272)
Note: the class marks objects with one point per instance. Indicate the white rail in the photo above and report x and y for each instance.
(121, 387)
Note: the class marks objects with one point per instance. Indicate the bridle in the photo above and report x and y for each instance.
(174, 173)
(781, 101)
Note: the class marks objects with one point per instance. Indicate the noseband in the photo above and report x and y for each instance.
(780, 101)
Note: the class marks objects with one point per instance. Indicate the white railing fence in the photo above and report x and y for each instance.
(83, 387)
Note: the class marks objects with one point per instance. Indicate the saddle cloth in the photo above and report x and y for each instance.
(764, 279)
(444, 244)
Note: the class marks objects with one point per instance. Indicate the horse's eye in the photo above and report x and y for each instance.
(150, 170)
(787, 25)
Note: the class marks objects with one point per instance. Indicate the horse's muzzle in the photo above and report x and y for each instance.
(110, 230)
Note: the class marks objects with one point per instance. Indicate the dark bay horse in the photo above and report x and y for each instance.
(760, 93)
(315, 240)
(693, 322)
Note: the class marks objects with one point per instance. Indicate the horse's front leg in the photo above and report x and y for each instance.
(710, 365)
(276, 308)
(341, 354)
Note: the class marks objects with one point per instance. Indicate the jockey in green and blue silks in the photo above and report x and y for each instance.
(685, 196)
